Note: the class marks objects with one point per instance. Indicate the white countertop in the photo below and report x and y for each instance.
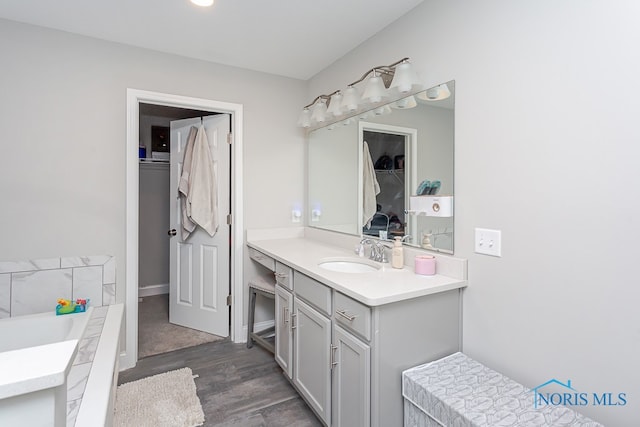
(35, 368)
(384, 286)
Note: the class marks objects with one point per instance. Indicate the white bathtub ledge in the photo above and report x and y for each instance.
(96, 407)
(35, 368)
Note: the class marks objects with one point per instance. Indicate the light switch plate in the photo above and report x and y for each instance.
(488, 242)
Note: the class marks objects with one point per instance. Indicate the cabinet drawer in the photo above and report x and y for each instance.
(353, 315)
(263, 259)
(312, 292)
(284, 275)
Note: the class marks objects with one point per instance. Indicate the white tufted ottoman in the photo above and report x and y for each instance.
(457, 391)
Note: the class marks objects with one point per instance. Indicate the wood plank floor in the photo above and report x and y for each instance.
(237, 386)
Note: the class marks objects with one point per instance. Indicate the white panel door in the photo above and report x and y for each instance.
(199, 266)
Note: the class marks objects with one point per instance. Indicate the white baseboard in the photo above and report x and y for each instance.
(151, 290)
(257, 327)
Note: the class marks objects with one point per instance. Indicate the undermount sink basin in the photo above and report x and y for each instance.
(349, 265)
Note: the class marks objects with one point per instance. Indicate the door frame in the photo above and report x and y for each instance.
(129, 357)
(410, 151)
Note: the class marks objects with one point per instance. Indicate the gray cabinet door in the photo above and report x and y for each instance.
(311, 370)
(351, 380)
(284, 333)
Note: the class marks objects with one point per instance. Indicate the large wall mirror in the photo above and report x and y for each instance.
(402, 149)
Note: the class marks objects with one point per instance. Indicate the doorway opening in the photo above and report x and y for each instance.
(392, 152)
(156, 332)
(138, 100)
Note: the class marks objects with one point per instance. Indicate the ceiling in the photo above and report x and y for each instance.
(292, 38)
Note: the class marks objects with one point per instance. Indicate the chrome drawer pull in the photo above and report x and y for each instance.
(332, 357)
(293, 315)
(345, 315)
(285, 315)
(281, 275)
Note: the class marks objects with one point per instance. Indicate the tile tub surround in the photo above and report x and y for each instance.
(81, 367)
(94, 373)
(34, 286)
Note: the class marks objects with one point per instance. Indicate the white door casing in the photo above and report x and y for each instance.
(129, 354)
(199, 265)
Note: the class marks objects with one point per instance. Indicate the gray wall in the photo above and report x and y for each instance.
(63, 115)
(153, 241)
(547, 135)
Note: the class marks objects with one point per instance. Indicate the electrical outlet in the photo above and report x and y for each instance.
(296, 215)
(489, 242)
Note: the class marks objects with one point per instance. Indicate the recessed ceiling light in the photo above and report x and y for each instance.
(204, 3)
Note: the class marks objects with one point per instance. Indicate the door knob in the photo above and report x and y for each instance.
(172, 232)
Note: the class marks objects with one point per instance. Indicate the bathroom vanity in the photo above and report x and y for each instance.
(344, 338)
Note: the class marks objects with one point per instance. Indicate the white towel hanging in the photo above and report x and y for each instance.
(183, 186)
(203, 186)
(370, 187)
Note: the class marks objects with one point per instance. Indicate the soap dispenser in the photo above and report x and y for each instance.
(397, 254)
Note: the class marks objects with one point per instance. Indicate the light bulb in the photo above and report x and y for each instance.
(319, 112)
(350, 100)
(405, 103)
(335, 105)
(404, 78)
(374, 91)
(435, 93)
(305, 118)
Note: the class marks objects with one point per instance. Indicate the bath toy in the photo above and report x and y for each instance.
(66, 308)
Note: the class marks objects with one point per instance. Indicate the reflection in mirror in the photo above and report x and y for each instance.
(391, 147)
(409, 142)
(333, 179)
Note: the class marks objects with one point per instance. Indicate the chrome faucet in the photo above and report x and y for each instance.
(360, 247)
(377, 249)
(378, 252)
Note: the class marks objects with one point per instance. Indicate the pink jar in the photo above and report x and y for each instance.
(425, 265)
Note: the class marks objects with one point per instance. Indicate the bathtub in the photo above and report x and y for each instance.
(41, 329)
(36, 354)
(60, 370)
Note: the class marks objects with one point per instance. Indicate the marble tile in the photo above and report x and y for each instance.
(87, 284)
(109, 294)
(77, 380)
(99, 312)
(109, 271)
(73, 406)
(94, 326)
(38, 291)
(86, 350)
(30, 265)
(83, 261)
(5, 295)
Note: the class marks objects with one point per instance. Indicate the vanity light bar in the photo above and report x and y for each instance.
(398, 75)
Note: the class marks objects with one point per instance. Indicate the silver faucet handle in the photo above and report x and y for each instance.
(373, 255)
(381, 254)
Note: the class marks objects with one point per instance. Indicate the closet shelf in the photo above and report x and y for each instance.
(154, 161)
(389, 171)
